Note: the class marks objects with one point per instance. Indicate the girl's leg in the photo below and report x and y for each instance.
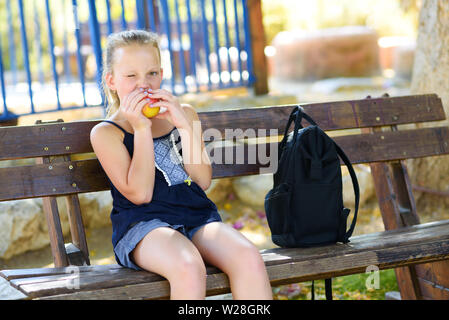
(227, 249)
(169, 253)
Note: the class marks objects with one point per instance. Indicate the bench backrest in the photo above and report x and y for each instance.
(65, 164)
(76, 176)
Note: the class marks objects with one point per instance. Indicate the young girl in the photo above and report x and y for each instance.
(162, 220)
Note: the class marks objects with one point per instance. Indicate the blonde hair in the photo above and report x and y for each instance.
(118, 40)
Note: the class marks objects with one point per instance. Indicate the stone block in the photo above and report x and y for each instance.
(350, 51)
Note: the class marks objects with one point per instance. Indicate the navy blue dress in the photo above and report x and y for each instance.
(176, 199)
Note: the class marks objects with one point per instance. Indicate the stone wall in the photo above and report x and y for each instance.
(337, 52)
(23, 225)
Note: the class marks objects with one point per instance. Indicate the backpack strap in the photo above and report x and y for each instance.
(355, 184)
(327, 288)
(306, 116)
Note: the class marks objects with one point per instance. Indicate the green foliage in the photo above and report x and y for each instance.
(274, 13)
(352, 287)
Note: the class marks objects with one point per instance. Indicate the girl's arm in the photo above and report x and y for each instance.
(133, 177)
(196, 160)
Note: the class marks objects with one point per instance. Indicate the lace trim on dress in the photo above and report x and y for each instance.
(169, 161)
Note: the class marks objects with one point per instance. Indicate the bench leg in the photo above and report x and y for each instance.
(397, 205)
(77, 226)
(75, 253)
(55, 232)
(390, 210)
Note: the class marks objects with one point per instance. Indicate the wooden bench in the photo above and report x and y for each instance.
(415, 250)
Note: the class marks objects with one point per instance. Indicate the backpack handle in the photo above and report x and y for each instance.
(290, 120)
(299, 116)
(296, 115)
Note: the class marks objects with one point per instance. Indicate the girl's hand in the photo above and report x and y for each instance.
(174, 112)
(131, 108)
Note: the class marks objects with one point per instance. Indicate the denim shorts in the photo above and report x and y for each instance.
(134, 235)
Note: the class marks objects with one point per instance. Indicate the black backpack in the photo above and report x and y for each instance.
(305, 206)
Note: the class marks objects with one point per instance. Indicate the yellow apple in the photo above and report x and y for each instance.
(150, 112)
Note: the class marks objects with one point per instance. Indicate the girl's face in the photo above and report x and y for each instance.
(135, 66)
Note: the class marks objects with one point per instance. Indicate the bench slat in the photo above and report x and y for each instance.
(91, 280)
(51, 285)
(40, 180)
(360, 148)
(73, 137)
(11, 274)
(332, 115)
(45, 139)
(419, 243)
(87, 175)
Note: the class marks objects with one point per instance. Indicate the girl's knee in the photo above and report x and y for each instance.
(188, 269)
(249, 258)
(188, 279)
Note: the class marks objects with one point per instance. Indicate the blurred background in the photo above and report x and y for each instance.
(341, 46)
(51, 51)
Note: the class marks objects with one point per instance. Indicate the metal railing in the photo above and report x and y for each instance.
(51, 50)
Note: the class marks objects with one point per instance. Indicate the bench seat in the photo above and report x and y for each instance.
(406, 246)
